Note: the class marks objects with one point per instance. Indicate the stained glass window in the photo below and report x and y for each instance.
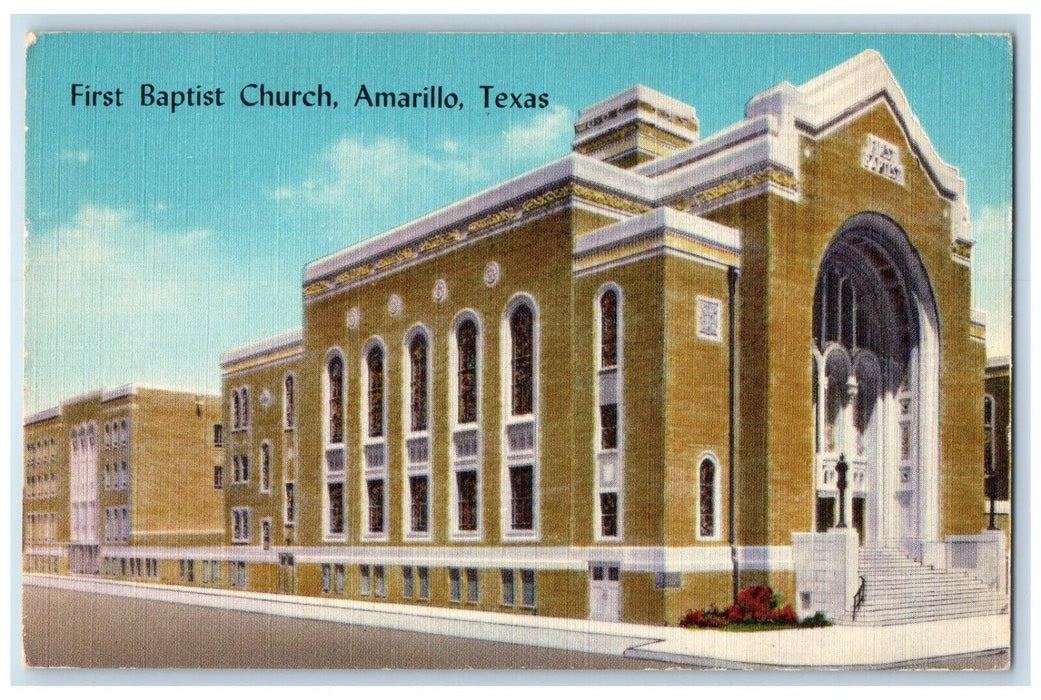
(707, 499)
(609, 426)
(418, 355)
(375, 505)
(521, 333)
(335, 370)
(466, 340)
(375, 363)
(418, 489)
(466, 485)
(290, 402)
(521, 510)
(336, 508)
(608, 329)
(609, 514)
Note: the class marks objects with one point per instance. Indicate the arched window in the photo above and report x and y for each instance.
(707, 498)
(417, 353)
(608, 329)
(374, 361)
(522, 343)
(236, 410)
(335, 379)
(289, 401)
(466, 339)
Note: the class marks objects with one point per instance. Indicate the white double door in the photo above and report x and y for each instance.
(605, 592)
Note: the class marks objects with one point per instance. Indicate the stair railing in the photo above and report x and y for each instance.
(859, 597)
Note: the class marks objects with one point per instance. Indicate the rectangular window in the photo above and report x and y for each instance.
(521, 507)
(466, 486)
(381, 581)
(418, 493)
(340, 578)
(609, 514)
(375, 488)
(245, 468)
(206, 571)
(528, 586)
(424, 582)
(336, 509)
(366, 580)
(609, 427)
(265, 534)
(455, 591)
(508, 595)
(240, 525)
(189, 568)
(216, 571)
(327, 578)
(243, 580)
(407, 583)
(290, 505)
(218, 477)
(218, 435)
(473, 590)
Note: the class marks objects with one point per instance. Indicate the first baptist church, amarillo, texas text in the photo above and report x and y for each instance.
(259, 95)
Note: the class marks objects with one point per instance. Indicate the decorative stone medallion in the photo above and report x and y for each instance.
(395, 305)
(265, 398)
(440, 291)
(353, 318)
(491, 274)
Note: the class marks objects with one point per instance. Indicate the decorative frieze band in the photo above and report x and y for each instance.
(483, 224)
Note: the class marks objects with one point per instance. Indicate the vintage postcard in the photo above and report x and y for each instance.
(545, 351)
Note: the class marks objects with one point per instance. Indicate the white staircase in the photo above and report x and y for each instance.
(899, 590)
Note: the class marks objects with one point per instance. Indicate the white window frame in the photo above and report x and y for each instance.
(521, 459)
(460, 464)
(240, 517)
(265, 466)
(408, 468)
(288, 424)
(609, 459)
(717, 531)
(701, 305)
(329, 447)
(379, 442)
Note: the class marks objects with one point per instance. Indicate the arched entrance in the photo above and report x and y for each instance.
(876, 385)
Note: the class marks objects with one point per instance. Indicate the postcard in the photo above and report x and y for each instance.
(517, 351)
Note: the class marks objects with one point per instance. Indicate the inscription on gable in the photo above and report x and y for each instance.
(883, 158)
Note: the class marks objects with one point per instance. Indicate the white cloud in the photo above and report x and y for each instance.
(542, 135)
(73, 156)
(992, 273)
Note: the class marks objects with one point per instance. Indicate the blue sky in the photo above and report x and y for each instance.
(156, 240)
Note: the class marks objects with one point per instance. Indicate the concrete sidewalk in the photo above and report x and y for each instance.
(896, 646)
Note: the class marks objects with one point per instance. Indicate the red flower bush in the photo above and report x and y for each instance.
(754, 605)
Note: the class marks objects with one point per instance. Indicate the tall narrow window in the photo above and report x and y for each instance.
(375, 367)
(335, 379)
(466, 338)
(236, 410)
(418, 382)
(522, 343)
(245, 407)
(336, 508)
(466, 484)
(521, 510)
(265, 466)
(609, 426)
(419, 511)
(707, 499)
(375, 488)
(289, 401)
(609, 514)
(608, 329)
(988, 435)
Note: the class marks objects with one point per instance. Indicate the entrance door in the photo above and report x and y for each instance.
(605, 592)
(286, 574)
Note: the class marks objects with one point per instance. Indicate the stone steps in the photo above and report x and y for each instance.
(899, 590)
